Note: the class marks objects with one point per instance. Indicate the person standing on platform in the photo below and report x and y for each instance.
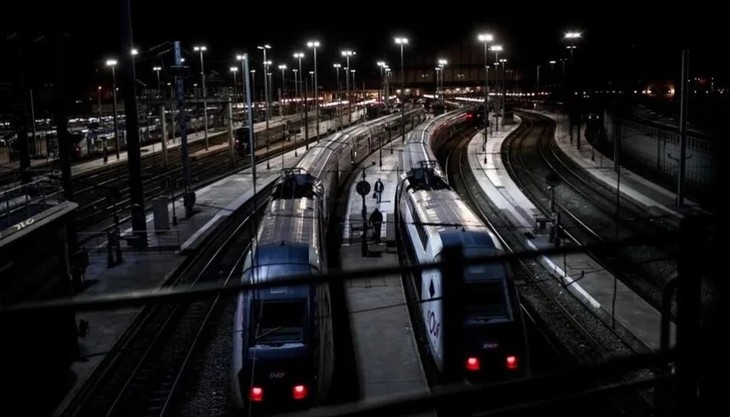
(379, 187)
(376, 221)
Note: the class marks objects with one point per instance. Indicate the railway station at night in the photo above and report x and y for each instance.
(514, 210)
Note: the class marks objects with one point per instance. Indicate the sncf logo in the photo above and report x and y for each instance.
(277, 375)
(490, 345)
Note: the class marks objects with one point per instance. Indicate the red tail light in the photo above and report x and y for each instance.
(472, 364)
(300, 392)
(257, 394)
(512, 362)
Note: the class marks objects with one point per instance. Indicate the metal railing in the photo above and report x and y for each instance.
(24, 201)
(657, 150)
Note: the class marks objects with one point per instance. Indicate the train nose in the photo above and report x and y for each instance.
(282, 387)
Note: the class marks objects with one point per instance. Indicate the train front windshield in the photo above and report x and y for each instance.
(279, 322)
(486, 303)
(280, 313)
(486, 296)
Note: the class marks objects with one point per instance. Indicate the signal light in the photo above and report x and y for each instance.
(257, 394)
(472, 364)
(300, 392)
(512, 362)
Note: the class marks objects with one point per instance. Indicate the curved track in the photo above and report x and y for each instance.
(591, 212)
(462, 180)
(576, 335)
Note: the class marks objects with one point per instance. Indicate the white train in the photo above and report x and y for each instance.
(433, 216)
(283, 338)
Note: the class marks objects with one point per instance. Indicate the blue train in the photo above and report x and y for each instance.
(432, 216)
(283, 338)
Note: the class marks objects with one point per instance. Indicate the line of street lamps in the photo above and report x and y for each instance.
(400, 41)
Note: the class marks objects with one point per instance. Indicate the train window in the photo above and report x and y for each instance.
(279, 321)
(487, 303)
(420, 228)
(485, 271)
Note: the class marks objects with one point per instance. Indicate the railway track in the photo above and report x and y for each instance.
(205, 169)
(576, 335)
(462, 180)
(589, 209)
(143, 374)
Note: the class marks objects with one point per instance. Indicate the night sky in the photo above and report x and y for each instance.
(641, 42)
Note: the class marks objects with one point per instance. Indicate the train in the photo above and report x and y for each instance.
(432, 216)
(283, 351)
(278, 131)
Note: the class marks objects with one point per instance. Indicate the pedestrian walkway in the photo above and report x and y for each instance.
(140, 270)
(385, 348)
(596, 285)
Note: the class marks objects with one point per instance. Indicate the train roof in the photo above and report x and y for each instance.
(417, 148)
(319, 157)
(444, 209)
(290, 221)
(283, 253)
(444, 214)
(469, 239)
(296, 183)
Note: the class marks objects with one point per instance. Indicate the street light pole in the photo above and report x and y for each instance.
(381, 64)
(339, 116)
(100, 116)
(266, 94)
(234, 70)
(438, 82)
(296, 85)
(572, 37)
(299, 56)
(113, 63)
(504, 85)
(496, 49)
(354, 85)
(486, 38)
(347, 54)
(282, 67)
(245, 97)
(314, 45)
(157, 70)
(387, 91)
(442, 63)
(552, 75)
(402, 41)
(249, 118)
(202, 49)
(253, 85)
